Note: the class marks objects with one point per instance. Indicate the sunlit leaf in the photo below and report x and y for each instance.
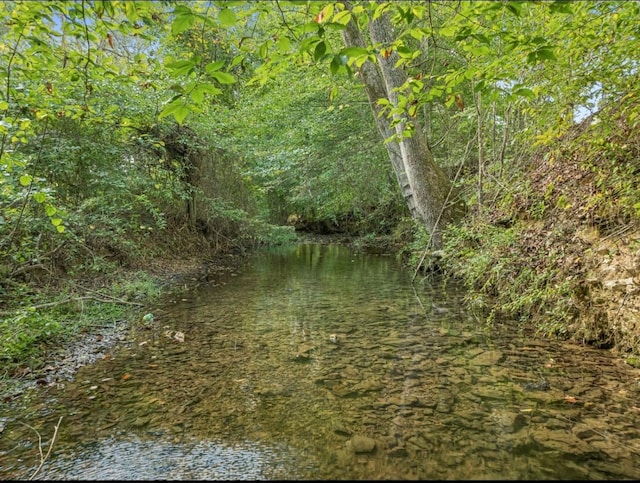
(223, 77)
(131, 11)
(524, 92)
(284, 44)
(514, 7)
(481, 50)
(171, 108)
(227, 17)
(182, 22)
(181, 113)
(214, 66)
(210, 89)
(333, 93)
(263, 50)
(343, 17)
(546, 53)
(181, 67)
(236, 60)
(354, 51)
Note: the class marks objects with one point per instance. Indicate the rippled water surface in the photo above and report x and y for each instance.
(317, 362)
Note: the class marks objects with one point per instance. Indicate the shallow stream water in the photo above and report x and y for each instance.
(319, 362)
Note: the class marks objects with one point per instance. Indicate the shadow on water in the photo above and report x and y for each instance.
(317, 362)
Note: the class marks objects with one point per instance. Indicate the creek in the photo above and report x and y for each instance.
(316, 361)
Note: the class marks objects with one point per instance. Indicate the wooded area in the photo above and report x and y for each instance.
(492, 141)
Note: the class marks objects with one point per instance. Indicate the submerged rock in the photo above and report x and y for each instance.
(363, 444)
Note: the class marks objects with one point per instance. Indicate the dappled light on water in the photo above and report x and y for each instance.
(317, 362)
(136, 459)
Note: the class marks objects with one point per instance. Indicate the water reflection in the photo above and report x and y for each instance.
(136, 459)
(317, 362)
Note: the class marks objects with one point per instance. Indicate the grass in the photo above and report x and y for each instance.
(42, 322)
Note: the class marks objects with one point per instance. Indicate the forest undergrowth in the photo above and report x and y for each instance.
(558, 248)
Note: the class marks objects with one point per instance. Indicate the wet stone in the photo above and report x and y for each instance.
(342, 430)
(362, 444)
(488, 358)
(344, 391)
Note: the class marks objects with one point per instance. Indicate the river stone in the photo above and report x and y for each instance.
(141, 421)
(342, 430)
(613, 451)
(562, 441)
(362, 444)
(343, 458)
(398, 452)
(395, 341)
(487, 358)
(341, 390)
(368, 386)
(486, 392)
(584, 431)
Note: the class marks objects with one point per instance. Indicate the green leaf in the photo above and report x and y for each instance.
(209, 89)
(227, 17)
(50, 210)
(131, 11)
(197, 95)
(60, 228)
(343, 17)
(25, 179)
(214, 66)
(481, 51)
(284, 44)
(171, 107)
(354, 51)
(182, 22)
(337, 62)
(320, 50)
(40, 197)
(546, 53)
(449, 31)
(333, 93)
(198, 92)
(236, 60)
(308, 28)
(524, 92)
(176, 88)
(223, 77)
(56, 221)
(264, 50)
(181, 113)
(181, 67)
(560, 6)
(514, 7)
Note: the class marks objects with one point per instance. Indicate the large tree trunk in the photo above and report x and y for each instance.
(425, 186)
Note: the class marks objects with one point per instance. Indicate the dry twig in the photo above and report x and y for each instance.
(43, 457)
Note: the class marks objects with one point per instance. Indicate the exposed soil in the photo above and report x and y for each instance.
(581, 204)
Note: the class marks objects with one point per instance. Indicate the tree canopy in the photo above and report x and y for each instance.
(94, 92)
